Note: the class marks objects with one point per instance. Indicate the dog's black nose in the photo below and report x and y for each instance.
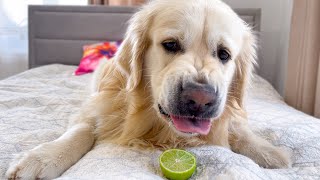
(198, 100)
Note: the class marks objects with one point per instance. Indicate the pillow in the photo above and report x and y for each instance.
(94, 53)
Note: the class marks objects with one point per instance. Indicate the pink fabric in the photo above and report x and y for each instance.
(93, 54)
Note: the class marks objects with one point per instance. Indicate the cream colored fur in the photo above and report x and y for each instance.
(126, 90)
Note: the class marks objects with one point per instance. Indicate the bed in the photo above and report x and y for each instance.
(35, 106)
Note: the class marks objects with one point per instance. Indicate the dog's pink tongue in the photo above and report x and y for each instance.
(185, 124)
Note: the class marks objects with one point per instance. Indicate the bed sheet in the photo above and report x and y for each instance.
(35, 106)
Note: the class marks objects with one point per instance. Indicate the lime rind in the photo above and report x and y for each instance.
(177, 164)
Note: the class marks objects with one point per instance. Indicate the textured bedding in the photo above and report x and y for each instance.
(35, 106)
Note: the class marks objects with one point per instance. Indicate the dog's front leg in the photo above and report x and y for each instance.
(51, 159)
(245, 142)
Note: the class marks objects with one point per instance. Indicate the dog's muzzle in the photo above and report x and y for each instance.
(194, 109)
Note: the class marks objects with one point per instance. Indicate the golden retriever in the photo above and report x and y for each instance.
(178, 80)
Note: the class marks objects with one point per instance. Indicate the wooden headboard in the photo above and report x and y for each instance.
(57, 33)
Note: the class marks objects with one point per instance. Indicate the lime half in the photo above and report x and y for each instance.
(177, 164)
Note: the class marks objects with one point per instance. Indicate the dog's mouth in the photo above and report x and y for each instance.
(188, 124)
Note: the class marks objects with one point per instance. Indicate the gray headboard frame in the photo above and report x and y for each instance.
(58, 33)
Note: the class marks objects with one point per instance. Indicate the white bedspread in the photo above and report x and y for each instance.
(35, 106)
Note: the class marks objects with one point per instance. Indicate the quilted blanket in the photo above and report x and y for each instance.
(35, 106)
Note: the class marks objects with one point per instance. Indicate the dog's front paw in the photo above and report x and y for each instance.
(273, 157)
(35, 164)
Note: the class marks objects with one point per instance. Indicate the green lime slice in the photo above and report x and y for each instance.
(177, 164)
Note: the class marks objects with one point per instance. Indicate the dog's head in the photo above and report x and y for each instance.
(196, 57)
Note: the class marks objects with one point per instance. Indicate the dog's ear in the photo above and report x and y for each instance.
(245, 63)
(130, 55)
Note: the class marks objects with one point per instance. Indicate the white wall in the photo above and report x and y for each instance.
(274, 37)
(13, 33)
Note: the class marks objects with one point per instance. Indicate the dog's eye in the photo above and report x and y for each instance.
(223, 55)
(171, 46)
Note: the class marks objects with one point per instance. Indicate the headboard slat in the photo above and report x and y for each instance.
(76, 25)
